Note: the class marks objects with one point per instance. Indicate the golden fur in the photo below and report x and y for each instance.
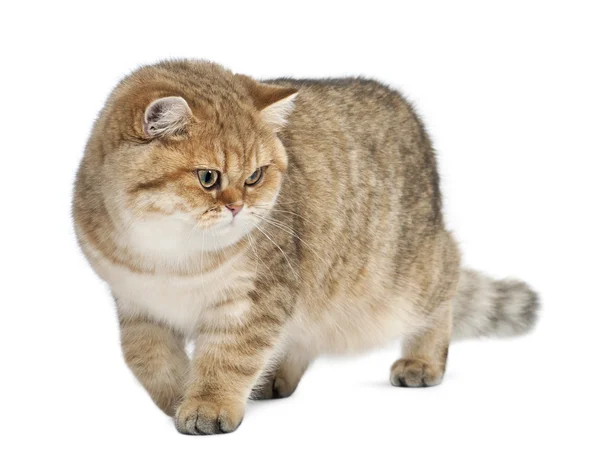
(338, 248)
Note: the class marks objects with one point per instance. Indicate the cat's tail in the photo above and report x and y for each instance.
(487, 307)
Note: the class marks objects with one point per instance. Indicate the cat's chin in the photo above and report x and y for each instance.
(177, 236)
(225, 234)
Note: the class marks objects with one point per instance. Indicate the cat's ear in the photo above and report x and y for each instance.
(275, 103)
(276, 114)
(166, 116)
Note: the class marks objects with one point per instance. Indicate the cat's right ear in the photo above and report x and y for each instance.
(166, 116)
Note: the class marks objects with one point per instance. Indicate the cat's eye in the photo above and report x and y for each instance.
(255, 177)
(208, 178)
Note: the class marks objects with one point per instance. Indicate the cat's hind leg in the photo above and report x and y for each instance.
(424, 354)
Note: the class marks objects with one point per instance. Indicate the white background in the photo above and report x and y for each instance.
(510, 94)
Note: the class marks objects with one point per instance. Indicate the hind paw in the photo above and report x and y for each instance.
(415, 373)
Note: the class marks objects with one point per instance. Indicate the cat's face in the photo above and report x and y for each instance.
(202, 179)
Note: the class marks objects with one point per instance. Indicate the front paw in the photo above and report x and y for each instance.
(200, 416)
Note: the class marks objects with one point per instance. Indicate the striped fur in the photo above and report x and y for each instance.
(486, 307)
(339, 248)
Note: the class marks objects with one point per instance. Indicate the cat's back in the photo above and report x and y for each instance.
(344, 125)
(354, 107)
(356, 141)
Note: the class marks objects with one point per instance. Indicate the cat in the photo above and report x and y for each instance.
(270, 222)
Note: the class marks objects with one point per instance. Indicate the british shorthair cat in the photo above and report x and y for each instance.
(269, 223)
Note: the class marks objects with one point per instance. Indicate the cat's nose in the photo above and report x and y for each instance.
(235, 209)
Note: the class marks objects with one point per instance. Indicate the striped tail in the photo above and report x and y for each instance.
(487, 307)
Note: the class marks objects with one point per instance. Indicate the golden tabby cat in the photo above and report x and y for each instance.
(269, 223)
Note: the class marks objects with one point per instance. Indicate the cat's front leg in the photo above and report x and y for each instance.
(155, 353)
(228, 360)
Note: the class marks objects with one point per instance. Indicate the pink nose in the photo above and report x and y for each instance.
(235, 209)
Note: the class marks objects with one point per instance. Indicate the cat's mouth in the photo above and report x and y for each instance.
(227, 223)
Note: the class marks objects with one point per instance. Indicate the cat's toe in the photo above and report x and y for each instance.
(263, 391)
(198, 417)
(274, 388)
(282, 388)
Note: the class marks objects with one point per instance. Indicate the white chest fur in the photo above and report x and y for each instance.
(180, 301)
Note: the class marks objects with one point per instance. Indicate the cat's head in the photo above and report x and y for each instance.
(197, 160)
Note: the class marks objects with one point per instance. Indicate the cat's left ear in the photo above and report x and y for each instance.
(275, 103)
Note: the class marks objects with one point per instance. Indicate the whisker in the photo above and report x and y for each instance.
(290, 231)
(258, 258)
(332, 246)
(290, 212)
(226, 287)
(278, 247)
